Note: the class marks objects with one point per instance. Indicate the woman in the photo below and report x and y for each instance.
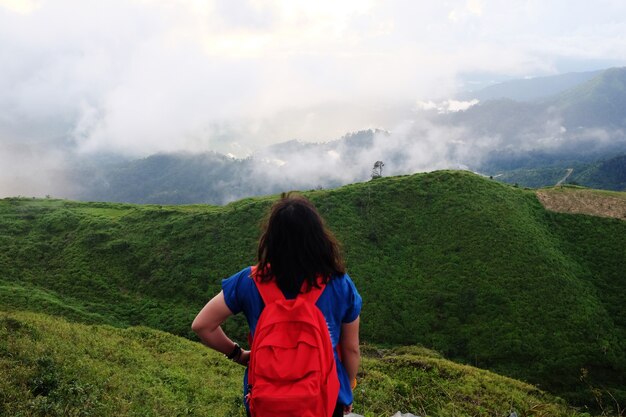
(294, 247)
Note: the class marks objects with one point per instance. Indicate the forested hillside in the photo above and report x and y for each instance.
(470, 267)
(609, 174)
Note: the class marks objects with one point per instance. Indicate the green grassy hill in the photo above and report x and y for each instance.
(51, 367)
(473, 268)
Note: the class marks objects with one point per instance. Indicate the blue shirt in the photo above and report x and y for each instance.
(340, 303)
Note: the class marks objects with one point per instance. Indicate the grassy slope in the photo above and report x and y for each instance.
(473, 268)
(51, 367)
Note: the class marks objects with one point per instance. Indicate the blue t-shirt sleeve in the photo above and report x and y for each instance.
(355, 302)
(234, 291)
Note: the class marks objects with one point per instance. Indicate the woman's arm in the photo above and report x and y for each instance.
(350, 353)
(207, 326)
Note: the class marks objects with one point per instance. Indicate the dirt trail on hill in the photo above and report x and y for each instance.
(583, 202)
(569, 172)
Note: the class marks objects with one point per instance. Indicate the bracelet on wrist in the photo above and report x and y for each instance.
(235, 354)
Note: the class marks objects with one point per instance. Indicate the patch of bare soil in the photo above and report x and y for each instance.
(595, 203)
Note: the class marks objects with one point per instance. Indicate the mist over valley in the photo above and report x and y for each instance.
(579, 126)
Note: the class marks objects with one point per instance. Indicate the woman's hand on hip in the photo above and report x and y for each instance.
(244, 358)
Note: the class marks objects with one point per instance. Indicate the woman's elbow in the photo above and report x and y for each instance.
(350, 349)
(197, 326)
(211, 315)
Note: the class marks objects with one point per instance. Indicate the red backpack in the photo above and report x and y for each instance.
(292, 371)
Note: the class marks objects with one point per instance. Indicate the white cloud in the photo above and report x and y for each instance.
(412, 146)
(446, 106)
(475, 7)
(471, 8)
(20, 6)
(141, 76)
(30, 171)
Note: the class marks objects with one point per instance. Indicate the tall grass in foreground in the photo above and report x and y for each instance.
(51, 367)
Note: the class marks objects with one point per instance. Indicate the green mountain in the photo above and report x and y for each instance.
(530, 89)
(178, 178)
(607, 174)
(600, 102)
(51, 367)
(473, 268)
(580, 125)
(213, 178)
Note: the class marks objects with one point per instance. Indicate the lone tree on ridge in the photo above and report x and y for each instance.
(377, 171)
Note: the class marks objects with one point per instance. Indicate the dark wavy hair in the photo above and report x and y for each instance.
(295, 246)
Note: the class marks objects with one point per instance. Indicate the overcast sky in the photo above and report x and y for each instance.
(142, 76)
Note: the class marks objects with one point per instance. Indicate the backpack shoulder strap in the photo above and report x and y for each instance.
(313, 293)
(270, 292)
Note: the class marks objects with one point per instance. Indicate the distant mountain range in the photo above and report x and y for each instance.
(609, 174)
(543, 124)
(530, 89)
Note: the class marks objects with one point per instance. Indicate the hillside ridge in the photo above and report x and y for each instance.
(465, 257)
